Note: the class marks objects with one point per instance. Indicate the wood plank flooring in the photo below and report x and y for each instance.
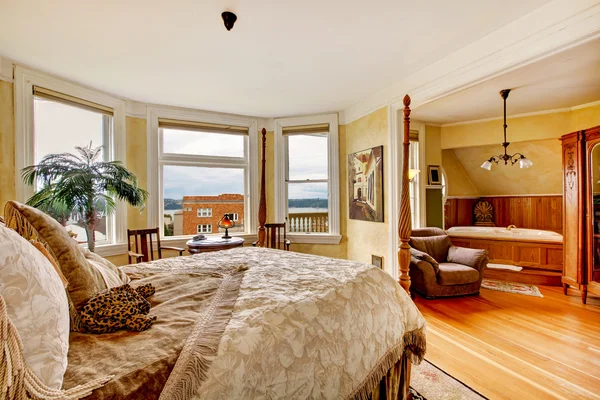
(511, 346)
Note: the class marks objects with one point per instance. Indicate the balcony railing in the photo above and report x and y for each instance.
(308, 223)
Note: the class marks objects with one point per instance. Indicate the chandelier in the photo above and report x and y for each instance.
(523, 161)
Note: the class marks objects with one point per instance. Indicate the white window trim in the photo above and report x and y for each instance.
(334, 236)
(202, 230)
(200, 211)
(25, 80)
(153, 113)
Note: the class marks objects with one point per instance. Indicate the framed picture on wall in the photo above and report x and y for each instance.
(435, 177)
(365, 185)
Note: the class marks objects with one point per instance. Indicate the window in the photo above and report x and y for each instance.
(233, 217)
(202, 169)
(205, 228)
(414, 163)
(54, 116)
(205, 212)
(307, 180)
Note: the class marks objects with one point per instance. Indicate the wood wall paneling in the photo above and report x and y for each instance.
(531, 212)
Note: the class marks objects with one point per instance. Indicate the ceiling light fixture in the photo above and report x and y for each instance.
(229, 19)
(523, 161)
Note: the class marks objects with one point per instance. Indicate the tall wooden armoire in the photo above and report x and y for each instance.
(581, 211)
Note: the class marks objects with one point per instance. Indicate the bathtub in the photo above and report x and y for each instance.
(533, 249)
(498, 233)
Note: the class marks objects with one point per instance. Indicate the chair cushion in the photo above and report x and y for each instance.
(470, 257)
(37, 305)
(436, 246)
(456, 274)
(421, 256)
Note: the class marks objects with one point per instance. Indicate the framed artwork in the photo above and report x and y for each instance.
(377, 261)
(435, 175)
(365, 185)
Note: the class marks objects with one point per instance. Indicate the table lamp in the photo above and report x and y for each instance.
(226, 223)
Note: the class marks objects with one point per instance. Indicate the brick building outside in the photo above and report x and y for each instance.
(201, 214)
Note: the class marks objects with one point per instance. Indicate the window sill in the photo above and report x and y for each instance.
(314, 238)
(107, 250)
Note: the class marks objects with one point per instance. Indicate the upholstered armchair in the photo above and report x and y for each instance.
(438, 269)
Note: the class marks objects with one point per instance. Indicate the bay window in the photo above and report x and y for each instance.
(307, 178)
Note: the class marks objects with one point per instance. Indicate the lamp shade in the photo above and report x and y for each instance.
(525, 162)
(412, 173)
(225, 222)
(487, 165)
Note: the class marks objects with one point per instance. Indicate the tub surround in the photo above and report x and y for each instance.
(543, 212)
(539, 252)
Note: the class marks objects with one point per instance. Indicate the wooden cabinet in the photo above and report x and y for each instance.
(581, 211)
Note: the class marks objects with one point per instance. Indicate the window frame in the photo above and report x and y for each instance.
(333, 177)
(157, 159)
(116, 146)
(204, 210)
(209, 231)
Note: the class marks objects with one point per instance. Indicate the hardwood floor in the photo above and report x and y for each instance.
(511, 346)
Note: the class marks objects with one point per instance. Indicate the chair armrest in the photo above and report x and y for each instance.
(179, 249)
(426, 268)
(138, 257)
(474, 258)
(422, 256)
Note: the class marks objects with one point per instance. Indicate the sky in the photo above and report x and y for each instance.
(59, 128)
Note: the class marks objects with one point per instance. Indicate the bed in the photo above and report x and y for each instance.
(253, 323)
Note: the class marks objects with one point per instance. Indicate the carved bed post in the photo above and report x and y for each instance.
(404, 222)
(262, 207)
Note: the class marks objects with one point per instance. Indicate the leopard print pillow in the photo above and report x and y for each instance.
(121, 307)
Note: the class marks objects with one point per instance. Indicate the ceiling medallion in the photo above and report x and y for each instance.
(523, 161)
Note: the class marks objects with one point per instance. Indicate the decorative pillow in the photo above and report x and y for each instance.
(419, 255)
(112, 275)
(470, 257)
(37, 305)
(436, 246)
(84, 279)
(42, 249)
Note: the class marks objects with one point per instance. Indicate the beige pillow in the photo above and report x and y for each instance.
(37, 305)
(85, 279)
(112, 275)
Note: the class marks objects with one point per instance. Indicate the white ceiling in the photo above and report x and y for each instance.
(566, 79)
(282, 57)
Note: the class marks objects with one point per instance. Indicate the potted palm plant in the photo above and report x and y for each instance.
(82, 184)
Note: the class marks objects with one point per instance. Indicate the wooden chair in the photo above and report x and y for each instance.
(142, 239)
(275, 239)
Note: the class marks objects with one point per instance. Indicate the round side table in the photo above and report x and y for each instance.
(213, 244)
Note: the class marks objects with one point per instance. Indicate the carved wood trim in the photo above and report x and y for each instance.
(404, 220)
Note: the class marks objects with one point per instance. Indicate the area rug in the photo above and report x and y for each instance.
(428, 382)
(512, 287)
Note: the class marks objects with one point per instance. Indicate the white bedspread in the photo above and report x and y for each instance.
(308, 327)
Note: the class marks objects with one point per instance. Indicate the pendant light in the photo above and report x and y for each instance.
(523, 161)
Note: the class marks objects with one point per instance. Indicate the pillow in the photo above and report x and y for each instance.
(36, 303)
(419, 255)
(112, 275)
(436, 246)
(84, 279)
(42, 249)
(470, 257)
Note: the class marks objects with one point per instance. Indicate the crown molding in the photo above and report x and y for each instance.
(554, 27)
(7, 68)
(135, 109)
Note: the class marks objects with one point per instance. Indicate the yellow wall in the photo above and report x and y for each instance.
(459, 183)
(544, 177)
(466, 146)
(535, 127)
(433, 146)
(7, 144)
(366, 238)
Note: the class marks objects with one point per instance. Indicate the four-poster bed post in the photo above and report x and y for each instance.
(262, 207)
(404, 220)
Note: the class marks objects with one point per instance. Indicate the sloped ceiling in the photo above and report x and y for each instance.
(544, 177)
